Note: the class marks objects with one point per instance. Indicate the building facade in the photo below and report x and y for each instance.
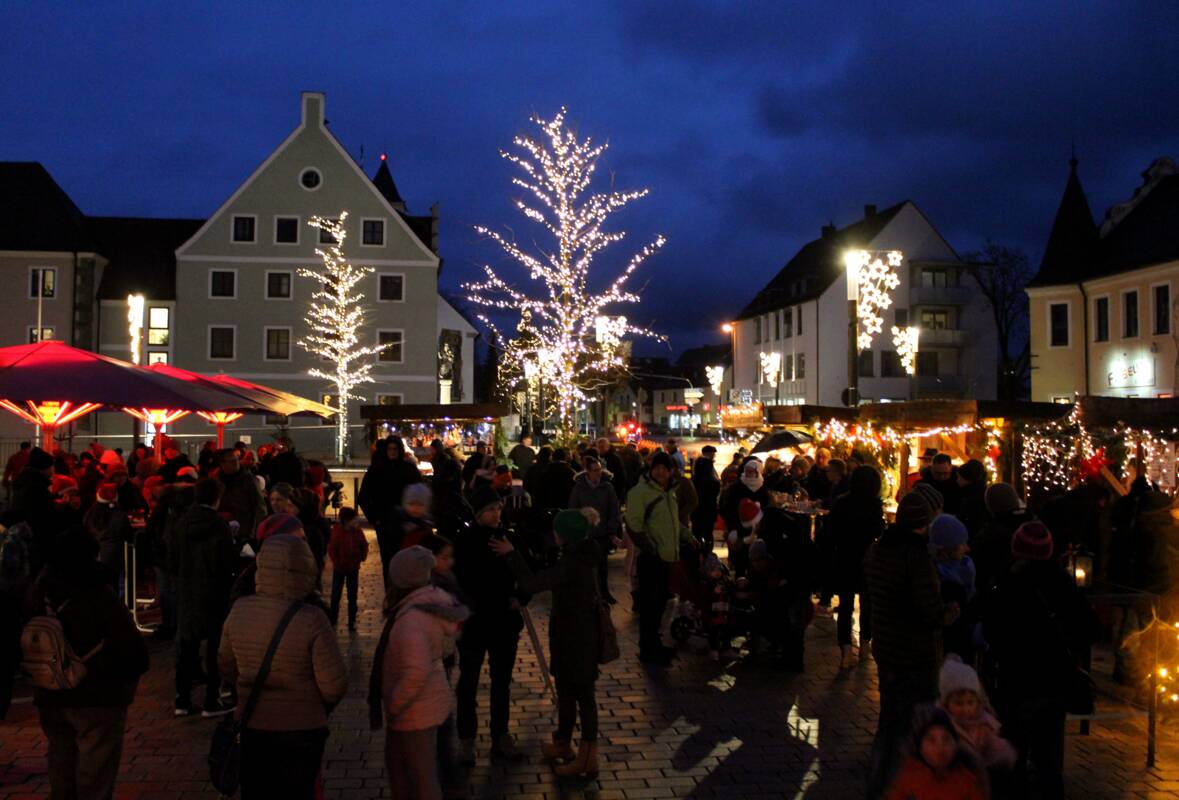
(790, 343)
(1103, 312)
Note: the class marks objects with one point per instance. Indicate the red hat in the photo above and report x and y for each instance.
(1033, 541)
(188, 474)
(62, 483)
(279, 523)
(107, 493)
(750, 512)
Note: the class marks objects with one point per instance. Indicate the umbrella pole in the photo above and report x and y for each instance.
(158, 444)
(47, 438)
(220, 435)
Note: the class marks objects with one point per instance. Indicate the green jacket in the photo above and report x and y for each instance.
(657, 530)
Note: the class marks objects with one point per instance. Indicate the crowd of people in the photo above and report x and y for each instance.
(977, 630)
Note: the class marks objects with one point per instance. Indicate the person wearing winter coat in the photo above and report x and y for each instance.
(990, 548)
(788, 543)
(111, 528)
(492, 632)
(963, 698)
(33, 503)
(283, 744)
(241, 499)
(939, 765)
(557, 482)
(942, 475)
(385, 481)
(972, 486)
(84, 726)
(907, 620)
(956, 574)
(1039, 627)
(750, 485)
(347, 549)
(593, 489)
(406, 525)
(206, 566)
(612, 462)
(286, 466)
(409, 682)
(573, 641)
(707, 485)
(855, 522)
(175, 500)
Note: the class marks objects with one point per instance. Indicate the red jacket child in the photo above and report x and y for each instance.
(347, 547)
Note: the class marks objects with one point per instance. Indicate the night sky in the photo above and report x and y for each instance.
(752, 124)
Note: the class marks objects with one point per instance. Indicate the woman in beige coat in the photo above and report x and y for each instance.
(283, 743)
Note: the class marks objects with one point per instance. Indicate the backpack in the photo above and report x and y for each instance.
(15, 570)
(47, 657)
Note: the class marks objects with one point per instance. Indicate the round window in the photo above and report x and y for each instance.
(310, 178)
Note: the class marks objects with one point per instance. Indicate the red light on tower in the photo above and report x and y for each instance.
(383, 156)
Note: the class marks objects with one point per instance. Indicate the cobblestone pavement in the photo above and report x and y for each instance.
(699, 729)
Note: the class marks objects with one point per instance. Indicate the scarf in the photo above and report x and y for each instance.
(753, 484)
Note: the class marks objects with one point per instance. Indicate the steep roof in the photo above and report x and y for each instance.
(142, 254)
(818, 263)
(383, 180)
(37, 213)
(1147, 235)
(421, 226)
(1073, 249)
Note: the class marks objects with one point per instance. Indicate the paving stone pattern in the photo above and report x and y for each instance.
(699, 729)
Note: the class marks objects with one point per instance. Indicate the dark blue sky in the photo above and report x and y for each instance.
(752, 124)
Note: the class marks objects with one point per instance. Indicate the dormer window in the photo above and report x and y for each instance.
(310, 179)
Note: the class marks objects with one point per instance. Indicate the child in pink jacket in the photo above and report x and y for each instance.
(963, 699)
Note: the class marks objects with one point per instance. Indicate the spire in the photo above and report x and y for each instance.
(1072, 246)
(383, 180)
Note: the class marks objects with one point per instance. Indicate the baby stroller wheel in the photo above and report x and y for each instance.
(681, 629)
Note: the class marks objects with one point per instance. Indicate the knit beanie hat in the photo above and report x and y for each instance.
(411, 567)
(932, 497)
(913, 512)
(759, 550)
(107, 493)
(418, 493)
(484, 498)
(1002, 499)
(571, 526)
(61, 483)
(972, 471)
(188, 474)
(660, 459)
(502, 481)
(947, 531)
(279, 523)
(39, 459)
(750, 512)
(957, 677)
(1033, 541)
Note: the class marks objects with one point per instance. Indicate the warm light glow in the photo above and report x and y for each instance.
(907, 342)
(871, 281)
(771, 367)
(156, 416)
(716, 378)
(135, 325)
(560, 338)
(49, 413)
(727, 327)
(220, 417)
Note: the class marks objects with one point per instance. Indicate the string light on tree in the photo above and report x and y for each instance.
(336, 317)
(872, 279)
(562, 329)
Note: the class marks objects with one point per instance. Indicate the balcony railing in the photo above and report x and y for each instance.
(942, 337)
(939, 295)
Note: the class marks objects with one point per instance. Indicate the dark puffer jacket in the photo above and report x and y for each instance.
(906, 602)
(856, 521)
(573, 622)
(207, 560)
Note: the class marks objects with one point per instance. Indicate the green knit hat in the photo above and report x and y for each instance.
(572, 526)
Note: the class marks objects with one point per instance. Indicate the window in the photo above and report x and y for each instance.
(44, 335)
(157, 357)
(158, 327)
(391, 288)
(393, 353)
(1058, 325)
(1129, 314)
(310, 179)
(222, 283)
(798, 328)
(278, 344)
(788, 368)
(800, 366)
(388, 399)
(900, 317)
(890, 365)
(325, 236)
(777, 325)
(286, 230)
(221, 341)
(757, 331)
(788, 322)
(278, 286)
(1162, 309)
(934, 278)
(1101, 319)
(927, 364)
(935, 319)
(867, 365)
(243, 228)
(372, 232)
(43, 282)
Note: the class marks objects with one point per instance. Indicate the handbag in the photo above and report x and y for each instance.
(225, 751)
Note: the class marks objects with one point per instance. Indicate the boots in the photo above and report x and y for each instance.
(559, 750)
(584, 766)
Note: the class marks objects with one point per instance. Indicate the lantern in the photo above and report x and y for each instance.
(1080, 566)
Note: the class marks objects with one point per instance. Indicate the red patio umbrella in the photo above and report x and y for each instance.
(50, 383)
(305, 406)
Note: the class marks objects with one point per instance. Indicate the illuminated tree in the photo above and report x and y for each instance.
(336, 317)
(566, 338)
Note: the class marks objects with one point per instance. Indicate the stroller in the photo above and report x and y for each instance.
(705, 603)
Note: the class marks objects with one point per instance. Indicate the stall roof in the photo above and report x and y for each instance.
(804, 414)
(921, 413)
(426, 412)
(1137, 412)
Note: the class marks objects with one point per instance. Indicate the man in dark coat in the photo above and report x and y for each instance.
(856, 521)
(613, 464)
(592, 489)
(557, 482)
(32, 502)
(972, 506)
(990, 548)
(207, 560)
(241, 499)
(493, 630)
(708, 486)
(907, 620)
(385, 480)
(942, 475)
(286, 466)
(474, 463)
(446, 482)
(522, 456)
(84, 725)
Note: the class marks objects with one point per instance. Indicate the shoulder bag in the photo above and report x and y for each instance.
(225, 751)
